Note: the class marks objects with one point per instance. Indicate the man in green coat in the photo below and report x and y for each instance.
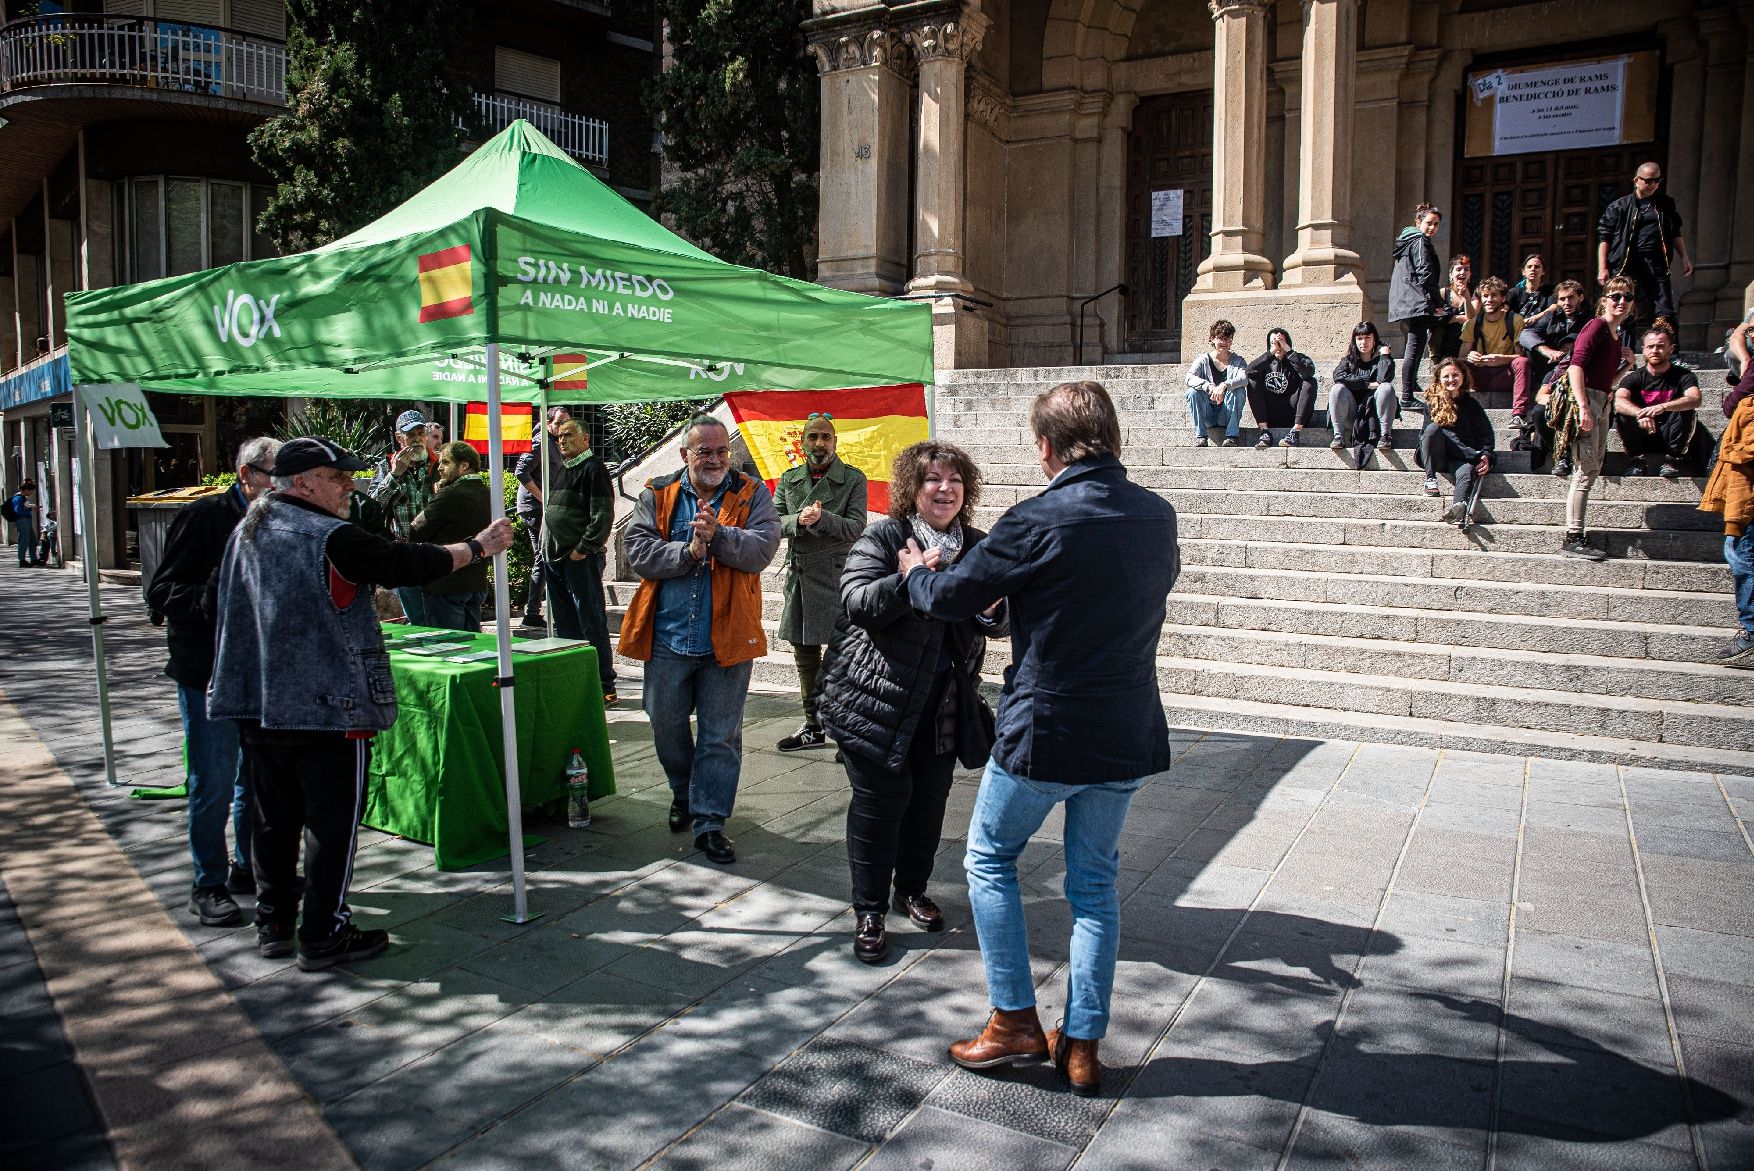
(459, 509)
(822, 512)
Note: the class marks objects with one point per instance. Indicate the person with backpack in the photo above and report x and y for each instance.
(1415, 301)
(1489, 339)
(21, 510)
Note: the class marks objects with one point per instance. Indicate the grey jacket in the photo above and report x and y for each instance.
(288, 656)
(1413, 284)
(816, 554)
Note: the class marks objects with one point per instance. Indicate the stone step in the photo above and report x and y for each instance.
(1583, 602)
(1465, 565)
(1456, 666)
(1343, 481)
(1624, 640)
(1471, 702)
(1603, 514)
(1292, 721)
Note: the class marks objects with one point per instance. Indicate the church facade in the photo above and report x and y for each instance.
(1079, 181)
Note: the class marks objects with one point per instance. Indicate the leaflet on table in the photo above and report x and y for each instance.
(476, 657)
(543, 646)
(438, 649)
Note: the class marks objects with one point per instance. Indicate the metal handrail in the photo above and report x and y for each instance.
(141, 53)
(584, 138)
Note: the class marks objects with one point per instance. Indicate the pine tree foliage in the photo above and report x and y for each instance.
(373, 113)
(738, 107)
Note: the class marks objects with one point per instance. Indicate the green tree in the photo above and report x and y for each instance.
(738, 108)
(373, 112)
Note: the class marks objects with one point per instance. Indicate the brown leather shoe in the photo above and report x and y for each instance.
(1077, 1060)
(1008, 1037)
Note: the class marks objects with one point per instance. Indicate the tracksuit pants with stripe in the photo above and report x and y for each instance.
(309, 787)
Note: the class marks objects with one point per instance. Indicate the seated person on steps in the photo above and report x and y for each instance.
(1217, 383)
(1544, 342)
(1281, 390)
(1656, 408)
(1489, 339)
(1363, 384)
(1458, 437)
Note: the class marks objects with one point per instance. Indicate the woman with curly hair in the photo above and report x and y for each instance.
(1458, 437)
(900, 691)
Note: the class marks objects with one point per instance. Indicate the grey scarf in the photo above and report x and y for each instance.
(948, 543)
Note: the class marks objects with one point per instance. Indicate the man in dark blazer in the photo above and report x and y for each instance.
(821, 503)
(1085, 567)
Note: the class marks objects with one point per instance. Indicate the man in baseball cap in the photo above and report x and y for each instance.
(301, 667)
(403, 485)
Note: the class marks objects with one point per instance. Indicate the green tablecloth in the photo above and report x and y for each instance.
(436, 774)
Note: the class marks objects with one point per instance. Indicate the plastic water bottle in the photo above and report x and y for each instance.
(578, 800)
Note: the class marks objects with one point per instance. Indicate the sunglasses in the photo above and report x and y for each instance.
(1619, 298)
(1651, 182)
(819, 415)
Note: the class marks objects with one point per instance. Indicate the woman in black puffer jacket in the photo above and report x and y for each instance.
(898, 691)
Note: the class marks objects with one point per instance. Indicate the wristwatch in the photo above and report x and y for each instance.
(475, 549)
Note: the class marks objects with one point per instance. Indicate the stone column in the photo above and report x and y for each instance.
(862, 204)
(942, 47)
(1239, 149)
(1709, 235)
(1324, 254)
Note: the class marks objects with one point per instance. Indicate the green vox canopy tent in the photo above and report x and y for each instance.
(520, 249)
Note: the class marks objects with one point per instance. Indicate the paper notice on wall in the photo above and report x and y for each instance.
(1487, 84)
(1560, 107)
(1166, 213)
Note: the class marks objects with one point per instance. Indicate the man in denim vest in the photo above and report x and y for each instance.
(301, 667)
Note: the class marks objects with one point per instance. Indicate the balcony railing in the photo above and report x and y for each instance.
(585, 139)
(148, 54)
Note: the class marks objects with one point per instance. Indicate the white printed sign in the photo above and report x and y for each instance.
(1166, 213)
(120, 416)
(1559, 107)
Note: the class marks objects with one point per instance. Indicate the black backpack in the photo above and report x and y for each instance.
(10, 511)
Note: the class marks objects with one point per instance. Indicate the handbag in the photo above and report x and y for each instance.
(976, 730)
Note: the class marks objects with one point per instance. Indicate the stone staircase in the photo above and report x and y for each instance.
(1319, 600)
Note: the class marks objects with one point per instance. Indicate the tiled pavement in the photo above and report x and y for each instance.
(1335, 955)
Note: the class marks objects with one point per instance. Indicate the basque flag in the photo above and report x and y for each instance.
(874, 425)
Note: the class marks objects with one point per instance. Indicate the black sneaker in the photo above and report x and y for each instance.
(214, 906)
(1577, 545)
(1456, 514)
(274, 942)
(1635, 467)
(1740, 652)
(346, 945)
(1562, 469)
(804, 737)
(1229, 441)
(1265, 441)
(1432, 486)
(1669, 472)
(680, 817)
(1292, 439)
(241, 881)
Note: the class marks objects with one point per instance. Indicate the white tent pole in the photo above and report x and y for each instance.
(542, 395)
(87, 505)
(502, 621)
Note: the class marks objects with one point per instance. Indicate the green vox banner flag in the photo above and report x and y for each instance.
(120, 416)
(517, 245)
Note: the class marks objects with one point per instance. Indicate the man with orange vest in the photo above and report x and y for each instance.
(699, 540)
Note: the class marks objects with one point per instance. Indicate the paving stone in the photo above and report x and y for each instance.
(1590, 1094)
(846, 1088)
(1624, 968)
(1386, 1018)
(1446, 917)
(1718, 1077)
(1708, 955)
(1423, 964)
(1328, 1140)
(1245, 1101)
(1568, 1017)
(1593, 818)
(1430, 1094)
(1688, 842)
(1033, 1099)
(1615, 921)
(1141, 1136)
(1254, 1021)
(935, 1136)
(1517, 1151)
(739, 1138)
(1721, 1010)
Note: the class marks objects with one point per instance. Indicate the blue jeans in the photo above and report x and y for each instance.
(1006, 813)
(1208, 414)
(27, 542)
(216, 785)
(413, 600)
(1739, 552)
(452, 611)
(575, 604)
(702, 770)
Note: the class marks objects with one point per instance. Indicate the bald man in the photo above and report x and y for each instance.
(821, 503)
(1639, 236)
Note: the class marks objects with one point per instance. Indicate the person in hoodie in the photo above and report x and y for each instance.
(1361, 399)
(1282, 390)
(1458, 437)
(1415, 301)
(1217, 386)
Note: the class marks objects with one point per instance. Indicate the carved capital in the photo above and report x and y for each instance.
(986, 102)
(859, 49)
(1223, 8)
(955, 36)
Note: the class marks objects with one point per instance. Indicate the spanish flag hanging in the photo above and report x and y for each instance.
(874, 425)
(447, 284)
(516, 421)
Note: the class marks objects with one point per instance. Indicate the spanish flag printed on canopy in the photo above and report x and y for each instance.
(447, 284)
(874, 425)
(517, 422)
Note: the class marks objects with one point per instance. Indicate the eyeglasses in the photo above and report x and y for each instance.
(258, 468)
(712, 452)
(1619, 298)
(819, 415)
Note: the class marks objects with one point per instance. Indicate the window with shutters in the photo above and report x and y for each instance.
(262, 18)
(125, 7)
(526, 74)
(190, 11)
